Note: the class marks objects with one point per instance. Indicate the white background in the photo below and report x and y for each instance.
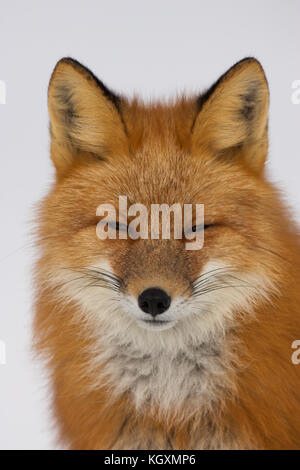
(155, 48)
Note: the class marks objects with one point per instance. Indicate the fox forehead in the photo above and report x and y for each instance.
(160, 167)
(158, 178)
(160, 124)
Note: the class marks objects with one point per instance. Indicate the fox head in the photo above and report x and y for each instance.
(210, 150)
(141, 327)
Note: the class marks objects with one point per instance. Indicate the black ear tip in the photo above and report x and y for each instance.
(71, 62)
(247, 61)
(67, 60)
(250, 65)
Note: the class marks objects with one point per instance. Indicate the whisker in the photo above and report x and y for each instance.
(215, 270)
(95, 277)
(217, 279)
(202, 292)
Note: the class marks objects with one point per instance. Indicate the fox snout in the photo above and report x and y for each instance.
(154, 301)
(156, 280)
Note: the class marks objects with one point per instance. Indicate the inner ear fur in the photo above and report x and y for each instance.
(233, 117)
(85, 116)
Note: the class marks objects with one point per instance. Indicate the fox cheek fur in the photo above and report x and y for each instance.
(216, 370)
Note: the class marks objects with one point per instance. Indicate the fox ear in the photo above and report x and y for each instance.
(84, 116)
(233, 117)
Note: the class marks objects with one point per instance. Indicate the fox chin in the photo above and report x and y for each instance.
(150, 345)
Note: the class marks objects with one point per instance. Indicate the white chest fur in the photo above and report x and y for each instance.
(170, 379)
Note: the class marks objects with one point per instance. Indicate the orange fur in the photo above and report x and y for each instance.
(193, 150)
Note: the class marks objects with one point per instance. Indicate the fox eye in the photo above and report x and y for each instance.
(198, 228)
(118, 226)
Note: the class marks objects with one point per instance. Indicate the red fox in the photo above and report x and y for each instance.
(149, 345)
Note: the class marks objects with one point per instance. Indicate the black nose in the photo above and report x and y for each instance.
(154, 301)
